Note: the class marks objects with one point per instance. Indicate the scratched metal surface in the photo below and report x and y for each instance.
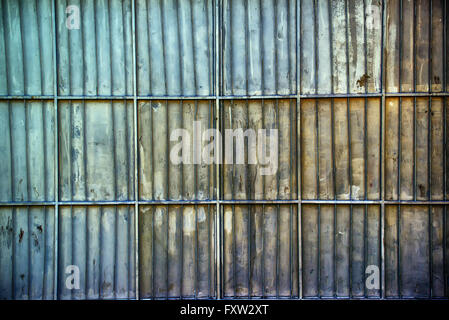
(357, 89)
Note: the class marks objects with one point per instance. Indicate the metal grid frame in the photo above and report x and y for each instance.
(217, 98)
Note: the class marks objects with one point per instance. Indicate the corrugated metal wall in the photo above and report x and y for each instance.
(356, 89)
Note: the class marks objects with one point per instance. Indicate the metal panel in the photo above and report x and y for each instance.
(99, 240)
(339, 242)
(340, 149)
(260, 253)
(97, 58)
(415, 54)
(244, 181)
(259, 47)
(177, 251)
(340, 40)
(96, 140)
(26, 48)
(414, 149)
(160, 177)
(27, 151)
(174, 48)
(415, 245)
(27, 260)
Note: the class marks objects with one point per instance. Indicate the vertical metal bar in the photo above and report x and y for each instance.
(429, 182)
(181, 250)
(365, 147)
(382, 154)
(334, 259)
(290, 269)
(399, 149)
(249, 250)
(414, 148)
(414, 46)
(278, 208)
(167, 239)
(136, 150)
(317, 151)
(196, 251)
(349, 146)
(298, 146)
(398, 236)
(400, 46)
(217, 49)
(56, 152)
(100, 287)
(263, 250)
(277, 250)
(429, 172)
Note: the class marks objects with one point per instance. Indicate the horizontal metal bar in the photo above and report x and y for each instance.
(417, 94)
(235, 202)
(109, 97)
(27, 97)
(168, 202)
(293, 201)
(27, 203)
(256, 97)
(340, 95)
(229, 97)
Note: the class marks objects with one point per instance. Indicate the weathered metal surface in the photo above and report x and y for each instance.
(174, 48)
(414, 52)
(414, 251)
(340, 46)
(244, 181)
(100, 241)
(414, 164)
(27, 260)
(358, 93)
(26, 48)
(260, 251)
(97, 58)
(27, 148)
(176, 251)
(340, 141)
(259, 47)
(160, 177)
(96, 150)
(339, 242)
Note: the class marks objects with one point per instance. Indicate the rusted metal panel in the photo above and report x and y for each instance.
(414, 158)
(340, 158)
(340, 46)
(99, 241)
(260, 251)
(244, 181)
(177, 251)
(415, 56)
(27, 260)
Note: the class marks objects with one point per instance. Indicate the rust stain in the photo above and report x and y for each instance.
(21, 235)
(363, 80)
